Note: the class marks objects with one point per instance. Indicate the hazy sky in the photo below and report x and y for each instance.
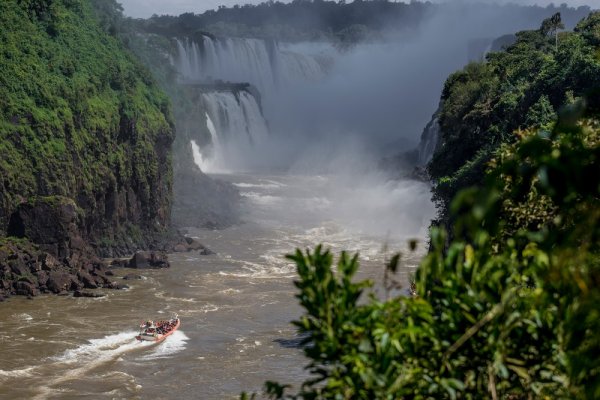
(145, 8)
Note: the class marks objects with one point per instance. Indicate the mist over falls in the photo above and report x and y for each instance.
(318, 109)
(317, 100)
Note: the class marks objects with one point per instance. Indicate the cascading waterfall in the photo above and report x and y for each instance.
(236, 126)
(234, 117)
(213, 131)
(429, 141)
(206, 157)
(265, 64)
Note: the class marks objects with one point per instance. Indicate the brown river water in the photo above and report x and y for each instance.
(235, 306)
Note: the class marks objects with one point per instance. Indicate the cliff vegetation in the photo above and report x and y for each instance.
(80, 118)
(85, 145)
(505, 304)
(486, 104)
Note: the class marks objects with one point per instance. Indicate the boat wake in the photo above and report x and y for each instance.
(173, 344)
(106, 348)
(16, 373)
(77, 363)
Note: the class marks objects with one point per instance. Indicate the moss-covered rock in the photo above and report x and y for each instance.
(81, 122)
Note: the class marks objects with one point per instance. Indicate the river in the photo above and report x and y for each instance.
(235, 306)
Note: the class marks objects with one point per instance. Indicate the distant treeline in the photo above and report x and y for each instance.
(322, 20)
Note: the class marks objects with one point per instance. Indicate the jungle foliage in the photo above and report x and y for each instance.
(524, 86)
(79, 116)
(506, 307)
(342, 22)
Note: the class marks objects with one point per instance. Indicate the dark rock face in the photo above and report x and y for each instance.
(191, 244)
(149, 259)
(59, 281)
(26, 289)
(60, 261)
(88, 281)
(51, 223)
(27, 270)
(116, 286)
(47, 253)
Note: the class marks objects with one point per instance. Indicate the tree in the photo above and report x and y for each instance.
(550, 26)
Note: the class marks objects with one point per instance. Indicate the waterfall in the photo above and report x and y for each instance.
(265, 64)
(234, 116)
(213, 131)
(205, 158)
(429, 140)
(236, 126)
(199, 160)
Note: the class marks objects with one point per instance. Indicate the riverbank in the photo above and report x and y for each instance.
(61, 262)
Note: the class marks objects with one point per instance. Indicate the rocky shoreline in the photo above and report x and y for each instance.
(25, 270)
(46, 253)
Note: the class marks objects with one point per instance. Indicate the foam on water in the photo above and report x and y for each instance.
(164, 296)
(172, 345)
(255, 270)
(230, 291)
(24, 317)
(98, 350)
(262, 199)
(77, 362)
(268, 184)
(17, 373)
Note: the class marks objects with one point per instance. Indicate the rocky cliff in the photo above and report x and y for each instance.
(85, 141)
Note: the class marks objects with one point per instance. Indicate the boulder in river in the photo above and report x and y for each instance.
(149, 259)
(58, 281)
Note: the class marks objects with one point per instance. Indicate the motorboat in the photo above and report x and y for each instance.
(157, 331)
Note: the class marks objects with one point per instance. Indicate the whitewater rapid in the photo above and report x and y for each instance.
(235, 305)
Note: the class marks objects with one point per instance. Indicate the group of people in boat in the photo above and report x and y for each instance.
(159, 327)
(163, 327)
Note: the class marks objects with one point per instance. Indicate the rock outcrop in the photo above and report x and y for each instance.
(149, 259)
(46, 253)
(85, 144)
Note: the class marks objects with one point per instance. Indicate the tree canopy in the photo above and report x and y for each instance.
(522, 87)
(305, 20)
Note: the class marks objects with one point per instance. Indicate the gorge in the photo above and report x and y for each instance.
(248, 143)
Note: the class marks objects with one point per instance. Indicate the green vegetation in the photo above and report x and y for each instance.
(79, 116)
(295, 21)
(524, 86)
(494, 316)
(506, 307)
(341, 22)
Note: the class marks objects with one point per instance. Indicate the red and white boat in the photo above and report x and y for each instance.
(157, 331)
